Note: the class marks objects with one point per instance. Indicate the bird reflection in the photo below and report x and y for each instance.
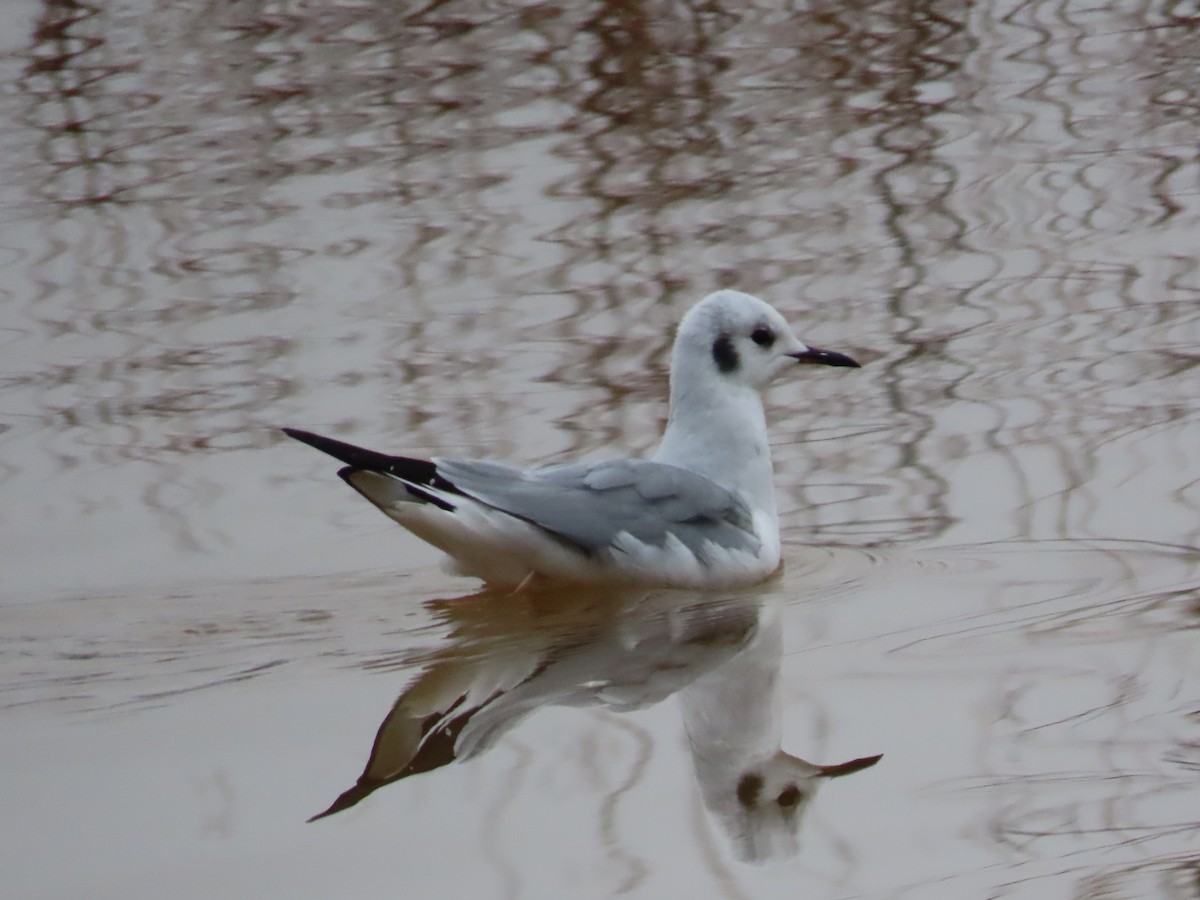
(507, 655)
(733, 713)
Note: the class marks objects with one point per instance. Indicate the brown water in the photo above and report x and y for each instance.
(469, 228)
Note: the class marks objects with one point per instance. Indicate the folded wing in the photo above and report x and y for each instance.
(592, 505)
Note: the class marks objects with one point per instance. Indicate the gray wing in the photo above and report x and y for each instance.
(590, 505)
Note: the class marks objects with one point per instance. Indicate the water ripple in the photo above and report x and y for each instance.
(469, 229)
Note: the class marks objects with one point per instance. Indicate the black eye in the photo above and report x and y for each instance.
(789, 797)
(764, 337)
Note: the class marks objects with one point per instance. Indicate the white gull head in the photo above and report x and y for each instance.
(729, 347)
(730, 339)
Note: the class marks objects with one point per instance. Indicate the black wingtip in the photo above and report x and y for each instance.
(416, 473)
(305, 437)
(351, 455)
(337, 449)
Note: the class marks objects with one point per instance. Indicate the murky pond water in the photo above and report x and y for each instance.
(469, 228)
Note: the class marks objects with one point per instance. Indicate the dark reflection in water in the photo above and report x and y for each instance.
(509, 655)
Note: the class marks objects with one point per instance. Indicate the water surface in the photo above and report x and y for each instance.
(469, 228)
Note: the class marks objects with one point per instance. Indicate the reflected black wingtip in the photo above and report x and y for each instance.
(347, 799)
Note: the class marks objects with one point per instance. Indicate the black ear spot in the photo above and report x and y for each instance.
(748, 789)
(763, 336)
(724, 354)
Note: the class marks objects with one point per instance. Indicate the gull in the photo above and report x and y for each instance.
(700, 514)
